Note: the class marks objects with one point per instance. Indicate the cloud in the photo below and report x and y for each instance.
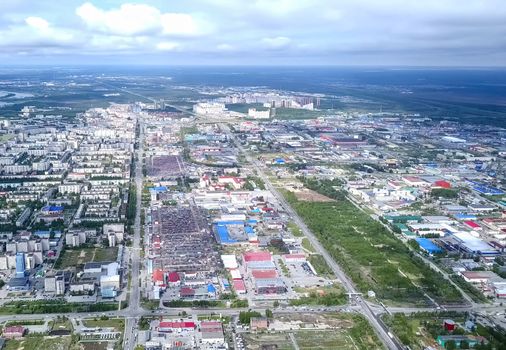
(128, 19)
(323, 31)
(37, 23)
(167, 46)
(138, 19)
(224, 47)
(276, 43)
(179, 24)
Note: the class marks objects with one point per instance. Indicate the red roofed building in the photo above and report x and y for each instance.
(186, 292)
(168, 326)
(239, 286)
(441, 184)
(158, 277)
(157, 242)
(257, 256)
(264, 274)
(294, 258)
(174, 279)
(472, 225)
(14, 332)
(233, 181)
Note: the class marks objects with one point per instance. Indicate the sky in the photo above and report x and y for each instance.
(254, 32)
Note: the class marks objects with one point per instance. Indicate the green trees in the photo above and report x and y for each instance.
(370, 254)
(245, 316)
(444, 193)
(450, 345)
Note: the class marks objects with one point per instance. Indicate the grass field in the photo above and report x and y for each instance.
(116, 323)
(61, 324)
(74, 257)
(321, 266)
(419, 330)
(291, 113)
(328, 296)
(294, 229)
(369, 253)
(324, 340)
(94, 346)
(347, 332)
(260, 341)
(307, 245)
(39, 342)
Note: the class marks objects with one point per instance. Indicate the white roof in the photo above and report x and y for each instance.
(236, 274)
(473, 243)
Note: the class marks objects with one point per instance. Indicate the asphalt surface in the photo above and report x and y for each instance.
(133, 309)
(379, 327)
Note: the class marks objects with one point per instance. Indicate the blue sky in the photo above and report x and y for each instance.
(256, 32)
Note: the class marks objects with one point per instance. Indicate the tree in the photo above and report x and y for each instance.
(464, 344)
(450, 345)
(268, 313)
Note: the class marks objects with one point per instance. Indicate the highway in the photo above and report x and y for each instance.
(390, 343)
(134, 308)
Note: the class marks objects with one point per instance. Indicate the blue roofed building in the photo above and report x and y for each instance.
(428, 245)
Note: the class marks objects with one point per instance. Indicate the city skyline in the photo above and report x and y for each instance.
(223, 32)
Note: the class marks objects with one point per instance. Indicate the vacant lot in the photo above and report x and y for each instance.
(321, 266)
(324, 340)
(39, 342)
(116, 323)
(307, 195)
(94, 346)
(278, 341)
(343, 332)
(75, 257)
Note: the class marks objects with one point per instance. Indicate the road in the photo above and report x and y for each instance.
(134, 311)
(134, 301)
(379, 327)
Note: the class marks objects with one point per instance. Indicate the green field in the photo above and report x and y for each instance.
(321, 266)
(347, 332)
(294, 229)
(243, 107)
(75, 257)
(116, 323)
(54, 306)
(325, 340)
(39, 342)
(421, 330)
(291, 113)
(307, 245)
(369, 253)
(328, 296)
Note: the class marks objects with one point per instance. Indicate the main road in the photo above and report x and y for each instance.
(134, 308)
(389, 341)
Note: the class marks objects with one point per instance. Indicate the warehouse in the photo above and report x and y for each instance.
(270, 286)
(429, 246)
(229, 261)
(473, 244)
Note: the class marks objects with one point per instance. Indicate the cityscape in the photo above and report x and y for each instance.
(161, 206)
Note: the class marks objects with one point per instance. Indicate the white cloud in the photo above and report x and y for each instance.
(178, 24)
(128, 19)
(167, 46)
(278, 42)
(225, 47)
(138, 19)
(37, 23)
(214, 29)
